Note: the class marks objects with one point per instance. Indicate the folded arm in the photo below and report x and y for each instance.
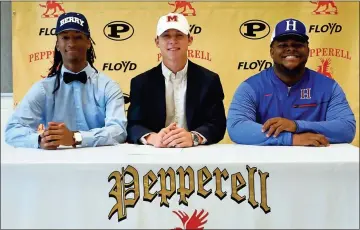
(114, 131)
(214, 125)
(241, 123)
(21, 129)
(135, 114)
(340, 124)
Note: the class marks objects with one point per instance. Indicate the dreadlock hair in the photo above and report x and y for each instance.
(55, 69)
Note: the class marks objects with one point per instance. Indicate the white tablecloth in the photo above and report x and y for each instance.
(306, 187)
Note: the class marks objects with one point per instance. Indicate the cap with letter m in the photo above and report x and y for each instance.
(172, 21)
(72, 21)
(290, 28)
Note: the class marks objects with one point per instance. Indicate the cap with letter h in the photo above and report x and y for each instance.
(72, 21)
(290, 28)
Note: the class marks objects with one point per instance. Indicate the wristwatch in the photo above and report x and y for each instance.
(39, 141)
(195, 139)
(77, 138)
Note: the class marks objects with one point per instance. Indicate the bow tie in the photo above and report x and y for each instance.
(69, 77)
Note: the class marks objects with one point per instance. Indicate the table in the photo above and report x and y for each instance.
(219, 186)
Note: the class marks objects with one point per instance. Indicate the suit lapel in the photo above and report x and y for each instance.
(192, 89)
(158, 91)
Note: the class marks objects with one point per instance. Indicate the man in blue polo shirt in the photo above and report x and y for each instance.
(289, 104)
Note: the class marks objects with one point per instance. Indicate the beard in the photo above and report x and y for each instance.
(290, 72)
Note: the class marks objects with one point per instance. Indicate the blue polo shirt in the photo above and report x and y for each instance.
(316, 103)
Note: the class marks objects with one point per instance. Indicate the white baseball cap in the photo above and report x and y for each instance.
(172, 21)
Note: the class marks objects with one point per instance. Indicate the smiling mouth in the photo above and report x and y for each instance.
(173, 49)
(290, 56)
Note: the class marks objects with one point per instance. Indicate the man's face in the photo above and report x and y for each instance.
(73, 46)
(290, 52)
(173, 44)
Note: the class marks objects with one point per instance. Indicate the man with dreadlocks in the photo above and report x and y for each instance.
(78, 105)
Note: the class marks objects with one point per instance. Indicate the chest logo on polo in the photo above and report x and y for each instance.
(305, 93)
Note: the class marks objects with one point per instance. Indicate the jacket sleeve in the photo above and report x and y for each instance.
(241, 123)
(340, 124)
(136, 114)
(214, 126)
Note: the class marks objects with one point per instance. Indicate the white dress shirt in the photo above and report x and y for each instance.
(175, 91)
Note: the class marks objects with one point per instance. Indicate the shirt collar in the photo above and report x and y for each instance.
(88, 69)
(167, 72)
